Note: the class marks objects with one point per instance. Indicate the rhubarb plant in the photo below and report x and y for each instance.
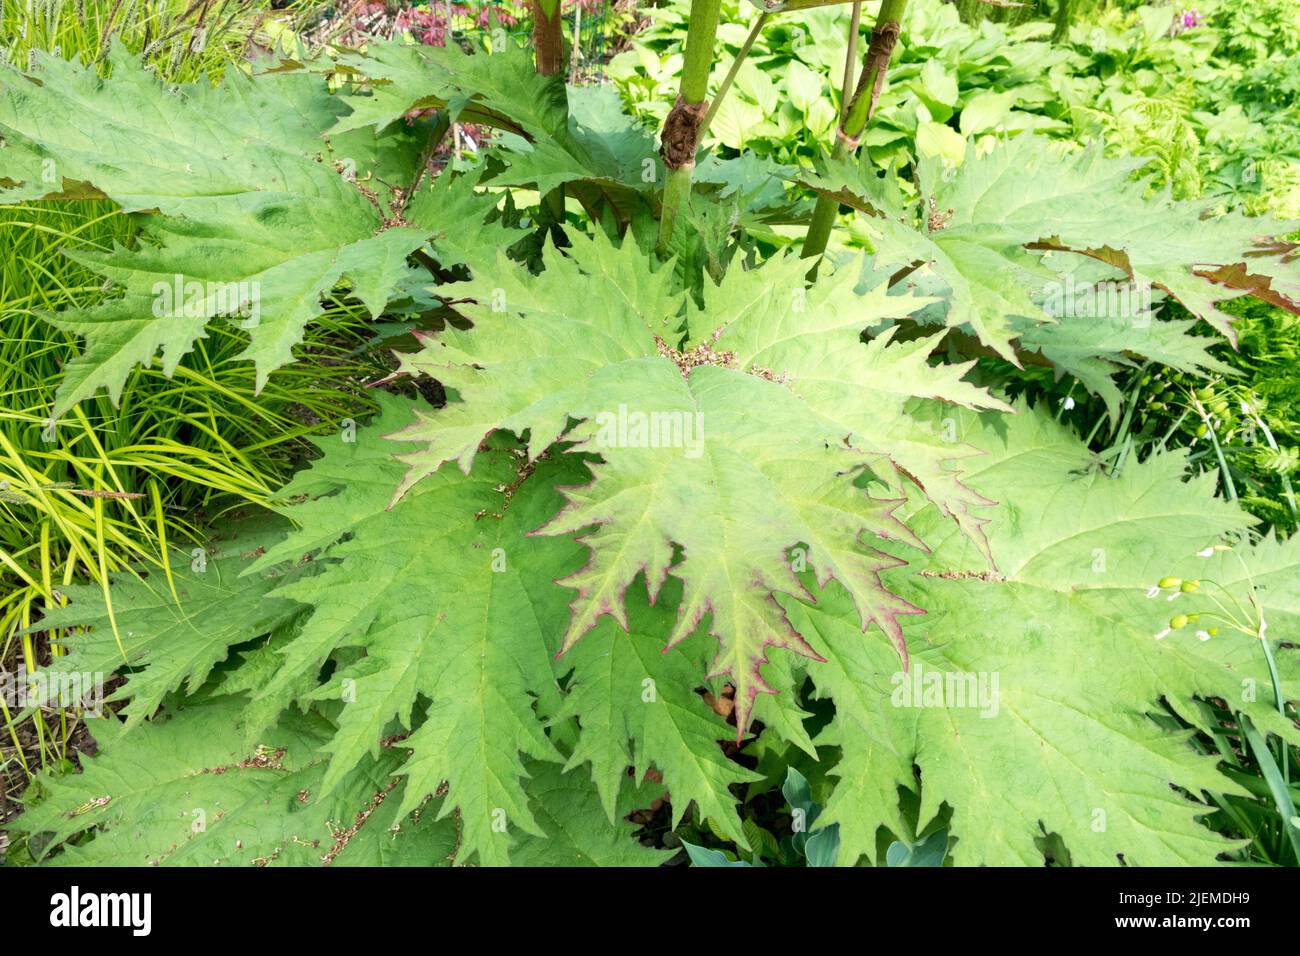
(665, 512)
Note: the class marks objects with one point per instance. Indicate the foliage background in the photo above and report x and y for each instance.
(1215, 105)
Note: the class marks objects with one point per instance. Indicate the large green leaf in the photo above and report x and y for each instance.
(1061, 743)
(553, 135)
(761, 428)
(186, 791)
(456, 609)
(170, 639)
(985, 227)
(247, 212)
(577, 832)
(639, 708)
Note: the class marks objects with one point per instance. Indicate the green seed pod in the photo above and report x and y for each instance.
(1170, 582)
(1211, 631)
(1201, 429)
(1179, 621)
(1187, 587)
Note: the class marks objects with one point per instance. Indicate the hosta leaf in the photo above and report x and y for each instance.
(577, 830)
(1062, 743)
(257, 221)
(766, 445)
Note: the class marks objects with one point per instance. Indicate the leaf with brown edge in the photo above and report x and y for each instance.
(1003, 208)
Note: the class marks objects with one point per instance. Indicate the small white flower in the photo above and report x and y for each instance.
(1203, 635)
(1205, 552)
(1068, 403)
(1173, 596)
(1154, 590)
(1163, 634)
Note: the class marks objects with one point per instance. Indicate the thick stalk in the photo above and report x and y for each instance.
(548, 37)
(858, 113)
(680, 136)
(548, 49)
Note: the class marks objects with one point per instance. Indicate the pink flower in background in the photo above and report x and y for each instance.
(427, 22)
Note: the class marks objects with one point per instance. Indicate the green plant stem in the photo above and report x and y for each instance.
(1229, 487)
(850, 58)
(548, 49)
(676, 191)
(1062, 20)
(701, 32)
(730, 78)
(857, 115)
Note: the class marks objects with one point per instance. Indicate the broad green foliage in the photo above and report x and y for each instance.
(638, 707)
(252, 218)
(985, 229)
(668, 510)
(262, 194)
(1065, 626)
(737, 448)
(190, 793)
(179, 637)
(460, 604)
(559, 137)
(464, 603)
